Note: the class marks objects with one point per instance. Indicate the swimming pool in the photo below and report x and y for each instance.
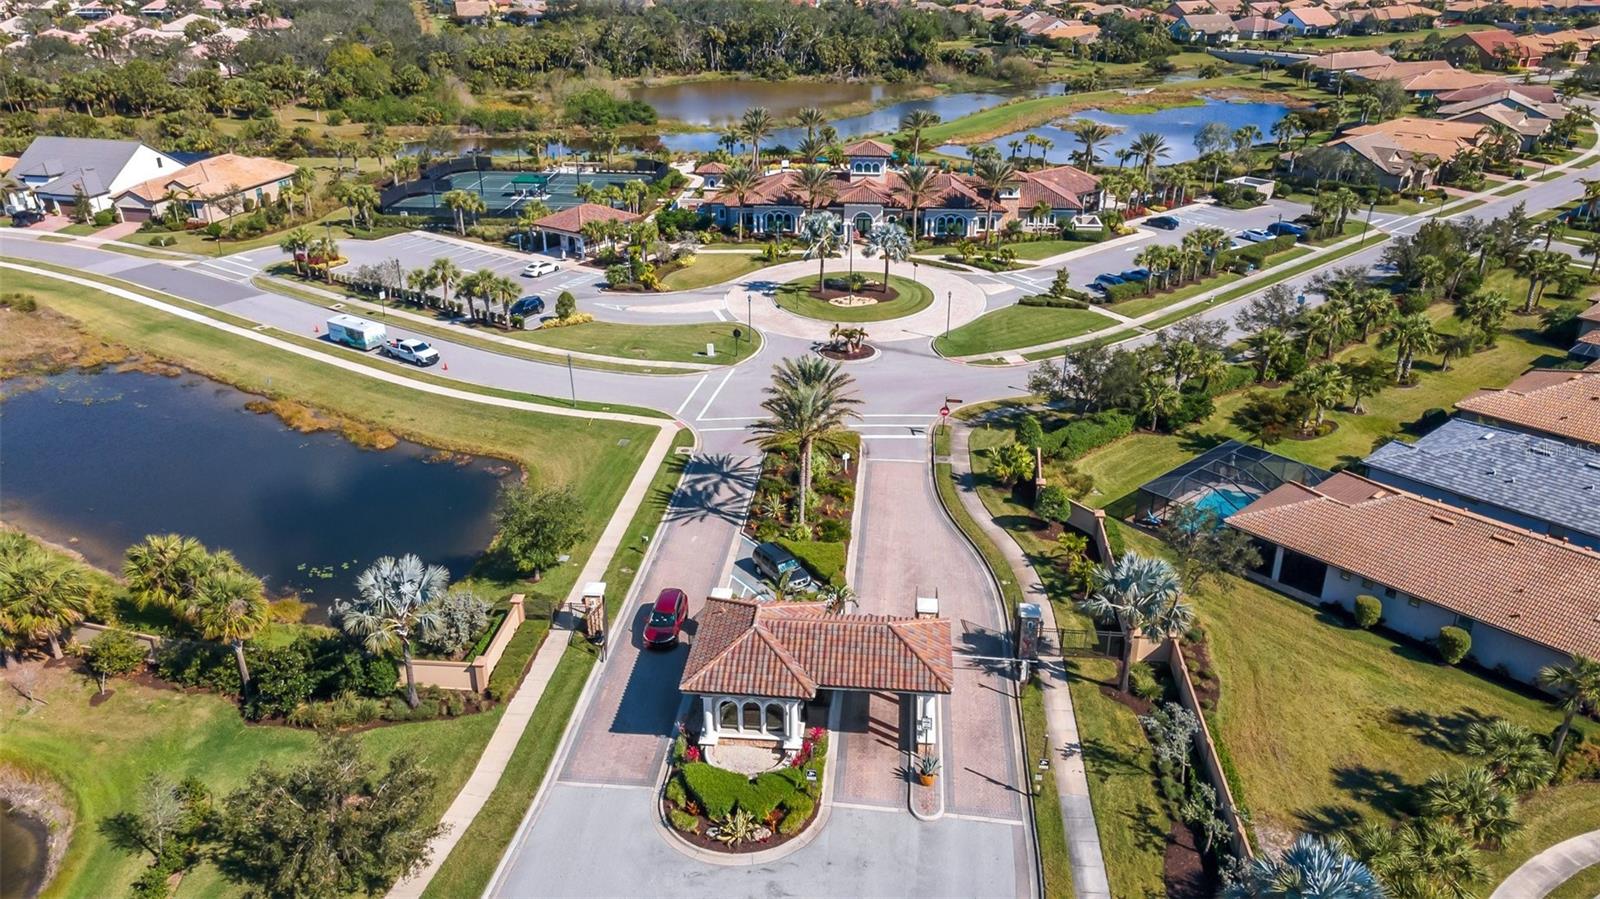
(1223, 502)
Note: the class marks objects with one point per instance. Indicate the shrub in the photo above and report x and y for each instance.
(1052, 504)
(104, 217)
(1029, 432)
(797, 811)
(1117, 293)
(577, 318)
(19, 302)
(462, 617)
(113, 654)
(1369, 609)
(1143, 682)
(833, 530)
(715, 789)
(348, 669)
(344, 710)
(566, 304)
(1076, 300)
(280, 680)
(1081, 435)
(676, 794)
(192, 663)
(683, 821)
(1454, 644)
(841, 489)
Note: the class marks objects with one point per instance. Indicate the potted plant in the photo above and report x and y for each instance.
(927, 768)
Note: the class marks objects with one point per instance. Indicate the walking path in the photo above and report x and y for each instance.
(1540, 875)
(1071, 780)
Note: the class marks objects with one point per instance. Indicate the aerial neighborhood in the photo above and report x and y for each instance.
(460, 448)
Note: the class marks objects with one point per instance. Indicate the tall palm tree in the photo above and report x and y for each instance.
(1143, 595)
(228, 606)
(1272, 349)
(161, 570)
(398, 602)
(362, 200)
(916, 186)
(462, 203)
(994, 174)
(1370, 308)
(527, 215)
(820, 231)
(1322, 385)
(1591, 249)
(812, 119)
(499, 290)
(816, 182)
(917, 121)
(890, 240)
(1539, 267)
(447, 274)
(756, 126)
(739, 181)
(295, 244)
(1484, 312)
(1309, 868)
(1090, 135)
(1578, 685)
(41, 594)
(808, 403)
(1409, 335)
(1150, 147)
(1514, 754)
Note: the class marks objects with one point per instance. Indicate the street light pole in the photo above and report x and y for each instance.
(949, 300)
(572, 381)
(1368, 226)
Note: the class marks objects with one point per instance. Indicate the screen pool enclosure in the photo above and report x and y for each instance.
(1222, 480)
(504, 193)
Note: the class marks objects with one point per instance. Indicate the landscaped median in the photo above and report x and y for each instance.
(840, 300)
(715, 808)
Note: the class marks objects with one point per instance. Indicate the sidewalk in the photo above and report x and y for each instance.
(1541, 875)
(519, 711)
(1071, 780)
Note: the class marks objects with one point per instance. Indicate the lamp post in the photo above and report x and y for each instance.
(383, 302)
(949, 300)
(572, 381)
(1368, 226)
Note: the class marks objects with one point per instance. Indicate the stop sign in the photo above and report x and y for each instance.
(944, 411)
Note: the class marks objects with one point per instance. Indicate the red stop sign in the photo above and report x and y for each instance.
(944, 411)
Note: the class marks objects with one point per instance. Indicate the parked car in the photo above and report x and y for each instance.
(540, 269)
(1255, 235)
(1287, 228)
(22, 218)
(1164, 222)
(1102, 282)
(416, 352)
(1140, 275)
(528, 307)
(773, 562)
(666, 618)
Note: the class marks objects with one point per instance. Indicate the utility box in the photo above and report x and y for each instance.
(1030, 620)
(927, 607)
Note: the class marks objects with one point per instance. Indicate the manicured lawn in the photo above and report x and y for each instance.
(198, 243)
(80, 229)
(1549, 817)
(101, 755)
(713, 268)
(650, 343)
(1034, 250)
(912, 297)
(1019, 326)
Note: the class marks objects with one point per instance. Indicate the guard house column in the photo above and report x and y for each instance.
(708, 720)
(925, 720)
(793, 728)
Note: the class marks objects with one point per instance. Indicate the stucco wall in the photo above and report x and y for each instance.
(469, 675)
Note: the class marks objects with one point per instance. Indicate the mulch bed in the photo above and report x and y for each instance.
(871, 291)
(828, 351)
(1183, 868)
(1327, 427)
(1139, 706)
(704, 842)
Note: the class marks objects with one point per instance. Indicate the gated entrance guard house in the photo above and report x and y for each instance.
(754, 666)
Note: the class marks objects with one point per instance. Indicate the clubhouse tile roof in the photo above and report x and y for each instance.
(1524, 473)
(791, 649)
(1527, 584)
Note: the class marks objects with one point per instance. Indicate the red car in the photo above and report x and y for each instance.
(666, 618)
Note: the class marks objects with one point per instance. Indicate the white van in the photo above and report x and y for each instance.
(356, 332)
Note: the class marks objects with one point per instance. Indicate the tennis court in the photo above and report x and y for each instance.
(504, 193)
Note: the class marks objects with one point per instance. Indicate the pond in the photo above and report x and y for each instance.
(1178, 124)
(719, 103)
(24, 853)
(96, 461)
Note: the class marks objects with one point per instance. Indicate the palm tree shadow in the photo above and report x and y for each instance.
(715, 486)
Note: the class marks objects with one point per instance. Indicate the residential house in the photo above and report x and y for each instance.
(1328, 67)
(1586, 349)
(1538, 93)
(1528, 127)
(1183, 8)
(472, 12)
(51, 172)
(1515, 97)
(156, 9)
(1310, 21)
(1514, 477)
(208, 188)
(1255, 28)
(181, 24)
(755, 667)
(1492, 48)
(869, 192)
(1208, 28)
(1428, 79)
(711, 174)
(563, 230)
(1405, 153)
(1560, 404)
(1394, 17)
(1528, 601)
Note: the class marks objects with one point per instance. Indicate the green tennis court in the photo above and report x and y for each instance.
(504, 193)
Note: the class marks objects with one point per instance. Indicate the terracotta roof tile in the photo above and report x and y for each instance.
(1560, 403)
(573, 218)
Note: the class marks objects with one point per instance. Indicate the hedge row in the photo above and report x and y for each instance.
(1081, 435)
(719, 791)
(1048, 301)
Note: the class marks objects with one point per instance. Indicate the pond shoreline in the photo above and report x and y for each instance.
(38, 809)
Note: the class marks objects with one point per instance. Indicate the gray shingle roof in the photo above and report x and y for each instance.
(1525, 473)
(55, 157)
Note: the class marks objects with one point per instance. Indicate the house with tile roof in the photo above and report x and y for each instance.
(1491, 48)
(1253, 28)
(1405, 153)
(1514, 477)
(1527, 600)
(207, 188)
(1394, 17)
(565, 229)
(49, 174)
(868, 191)
(1209, 28)
(1309, 21)
(1554, 402)
(1587, 349)
(755, 665)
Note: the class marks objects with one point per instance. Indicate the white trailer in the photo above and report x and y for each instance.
(356, 332)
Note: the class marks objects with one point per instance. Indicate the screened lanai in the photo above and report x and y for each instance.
(1222, 480)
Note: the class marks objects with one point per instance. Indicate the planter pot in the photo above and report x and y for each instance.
(925, 779)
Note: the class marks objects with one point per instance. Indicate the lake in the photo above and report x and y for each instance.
(24, 853)
(96, 461)
(1178, 124)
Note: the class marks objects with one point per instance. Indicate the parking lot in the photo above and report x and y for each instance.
(418, 249)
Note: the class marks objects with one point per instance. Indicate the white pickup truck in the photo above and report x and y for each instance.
(416, 352)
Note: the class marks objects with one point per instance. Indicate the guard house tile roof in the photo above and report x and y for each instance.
(1564, 404)
(1524, 473)
(572, 219)
(791, 649)
(1526, 584)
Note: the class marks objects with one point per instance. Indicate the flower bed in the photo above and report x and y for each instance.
(820, 545)
(725, 811)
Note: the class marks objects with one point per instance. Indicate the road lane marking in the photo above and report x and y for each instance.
(683, 405)
(714, 394)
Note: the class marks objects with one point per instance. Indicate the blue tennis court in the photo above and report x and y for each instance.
(504, 193)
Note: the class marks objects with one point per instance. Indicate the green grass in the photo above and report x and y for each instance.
(466, 871)
(1549, 817)
(80, 229)
(650, 343)
(1014, 327)
(713, 268)
(200, 244)
(911, 298)
(101, 755)
(1049, 829)
(1034, 250)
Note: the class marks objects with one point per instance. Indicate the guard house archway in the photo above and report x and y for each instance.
(755, 666)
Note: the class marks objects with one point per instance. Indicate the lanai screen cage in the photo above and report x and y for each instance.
(1222, 480)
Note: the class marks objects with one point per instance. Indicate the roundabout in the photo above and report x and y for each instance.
(837, 301)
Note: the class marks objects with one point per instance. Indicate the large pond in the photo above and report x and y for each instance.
(1178, 124)
(24, 853)
(97, 461)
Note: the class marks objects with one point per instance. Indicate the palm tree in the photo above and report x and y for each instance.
(1143, 596)
(530, 213)
(296, 243)
(808, 403)
(1591, 249)
(1369, 308)
(161, 570)
(756, 125)
(446, 274)
(916, 185)
(1090, 135)
(916, 122)
(1409, 335)
(994, 174)
(399, 600)
(1150, 147)
(1472, 801)
(1309, 868)
(811, 118)
(816, 182)
(1539, 267)
(1272, 348)
(838, 599)
(890, 240)
(820, 230)
(1422, 858)
(362, 200)
(1322, 385)
(325, 249)
(1484, 312)
(1513, 753)
(228, 606)
(462, 202)
(1578, 685)
(41, 594)
(739, 181)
